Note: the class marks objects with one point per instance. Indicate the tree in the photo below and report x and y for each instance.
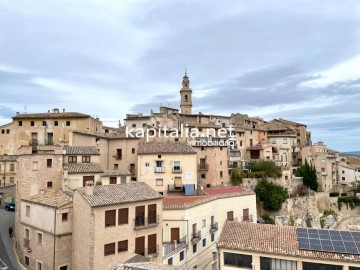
(264, 168)
(271, 195)
(308, 173)
(235, 177)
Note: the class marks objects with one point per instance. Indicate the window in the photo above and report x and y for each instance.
(133, 150)
(320, 266)
(182, 256)
(49, 162)
(20, 125)
(238, 260)
(170, 261)
(72, 159)
(203, 175)
(177, 166)
(3, 131)
(116, 166)
(118, 153)
(230, 215)
(220, 162)
(12, 180)
(204, 223)
(123, 217)
(56, 123)
(85, 159)
(12, 167)
(67, 123)
(240, 143)
(221, 148)
(44, 123)
(147, 164)
(273, 141)
(64, 217)
(8, 131)
(194, 248)
(343, 178)
(221, 174)
(28, 210)
(112, 180)
(122, 246)
(251, 142)
(343, 172)
(39, 266)
(35, 166)
(159, 182)
(27, 260)
(204, 242)
(212, 237)
(277, 264)
(32, 123)
(109, 249)
(39, 238)
(202, 148)
(110, 218)
(49, 184)
(285, 141)
(133, 125)
(122, 179)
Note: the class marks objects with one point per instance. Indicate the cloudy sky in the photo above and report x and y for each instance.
(298, 60)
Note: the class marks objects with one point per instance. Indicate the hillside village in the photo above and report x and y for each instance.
(159, 191)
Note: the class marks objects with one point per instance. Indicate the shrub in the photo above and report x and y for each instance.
(334, 194)
(236, 177)
(267, 219)
(350, 201)
(271, 195)
(266, 168)
(98, 183)
(344, 194)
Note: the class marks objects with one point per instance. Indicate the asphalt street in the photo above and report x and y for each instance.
(7, 258)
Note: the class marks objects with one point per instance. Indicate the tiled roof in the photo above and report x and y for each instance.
(8, 158)
(272, 239)
(186, 202)
(81, 150)
(116, 173)
(51, 115)
(223, 190)
(111, 135)
(165, 148)
(148, 266)
(84, 168)
(118, 194)
(51, 198)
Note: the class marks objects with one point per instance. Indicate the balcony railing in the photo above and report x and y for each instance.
(203, 167)
(159, 169)
(214, 227)
(176, 245)
(195, 237)
(248, 218)
(177, 170)
(33, 142)
(142, 222)
(173, 188)
(26, 242)
(150, 251)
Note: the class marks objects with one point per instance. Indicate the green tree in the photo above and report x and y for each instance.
(264, 168)
(308, 173)
(271, 195)
(236, 177)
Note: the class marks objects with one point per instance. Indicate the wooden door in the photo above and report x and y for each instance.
(152, 244)
(175, 234)
(140, 245)
(140, 215)
(246, 214)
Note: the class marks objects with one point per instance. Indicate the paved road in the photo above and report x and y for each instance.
(7, 258)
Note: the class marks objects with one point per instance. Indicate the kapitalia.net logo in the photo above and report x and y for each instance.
(211, 137)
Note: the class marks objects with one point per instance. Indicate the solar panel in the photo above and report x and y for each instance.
(328, 240)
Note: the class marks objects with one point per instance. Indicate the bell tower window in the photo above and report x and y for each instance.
(186, 98)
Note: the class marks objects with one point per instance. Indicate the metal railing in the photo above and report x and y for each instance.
(143, 222)
(150, 251)
(172, 187)
(214, 227)
(33, 142)
(248, 218)
(178, 244)
(195, 237)
(159, 169)
(176, 170)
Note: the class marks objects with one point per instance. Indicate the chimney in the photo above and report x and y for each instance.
(89, 188)
(17, 113)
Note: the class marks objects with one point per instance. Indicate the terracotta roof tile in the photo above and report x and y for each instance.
(8, 158)
(165, 148)
(272, 239)
(84, 168)
(223, 190)
(116, 173)
(81, 150)
(51, 198)
(118, 194)
(51, 115)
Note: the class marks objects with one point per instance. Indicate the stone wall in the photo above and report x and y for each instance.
(7, 194)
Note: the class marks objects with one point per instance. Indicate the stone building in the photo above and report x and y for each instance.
(112, 222)
(169, 168)
(7, 170)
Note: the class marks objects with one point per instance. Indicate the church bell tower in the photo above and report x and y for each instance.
(185, 96)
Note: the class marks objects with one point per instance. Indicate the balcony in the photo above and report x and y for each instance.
(214, 227)
(159, 169)
(26, 243)
(195, 237)
(176, 245)
(33, 142)
(177, 170)
(175, 189)
(142, 222)
(248, 218)
(148, 252)
(203, 166)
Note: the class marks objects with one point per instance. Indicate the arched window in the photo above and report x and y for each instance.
(186, 98)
